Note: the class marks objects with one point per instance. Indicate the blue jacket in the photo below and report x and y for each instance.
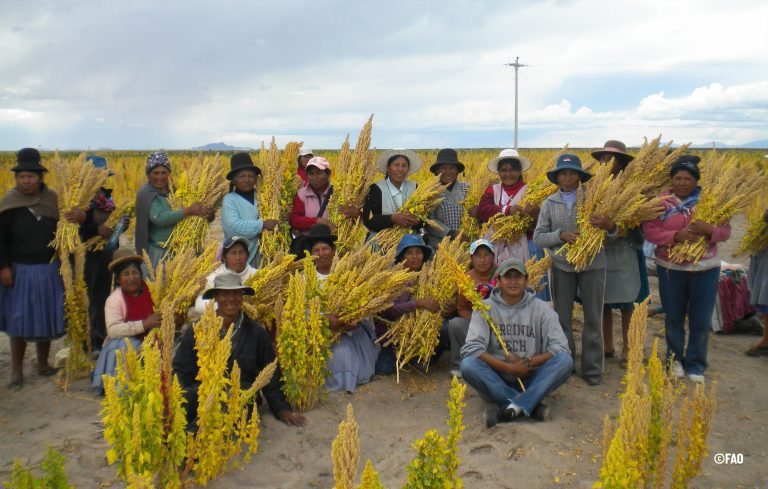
(241, 218)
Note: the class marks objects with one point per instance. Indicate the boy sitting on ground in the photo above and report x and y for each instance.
(538, 357)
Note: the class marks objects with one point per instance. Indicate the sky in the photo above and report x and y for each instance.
(171, 74)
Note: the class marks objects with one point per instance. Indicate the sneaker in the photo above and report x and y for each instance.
(455, 372)
(509, 412)
(491, 417)
(677, 370)
(540, 412)
(696, 378)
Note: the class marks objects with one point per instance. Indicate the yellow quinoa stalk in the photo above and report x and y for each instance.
(291, 180)
(224, 424)
(387, 239)
(652, 164)
(370, 478)
(97, 243)
(76, 182)
(144, 421)
(269, 284)
(351, 178)
(727, 188)
(203, 181)
(363, 283)
(636, 454)
(695, 421)
(436, 463)
(536, 271)
(512, 228)
(416, 335)
(345, 452)
(479, 179)
(755, 239)
(54, 475)
(76, 316)
(303, 343)
(427, 196)
(271, 195)
(621, 199)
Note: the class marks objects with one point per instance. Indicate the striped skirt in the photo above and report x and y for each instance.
(33, 307)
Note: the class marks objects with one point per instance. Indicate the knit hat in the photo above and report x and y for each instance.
(156, 159)
(689, 163)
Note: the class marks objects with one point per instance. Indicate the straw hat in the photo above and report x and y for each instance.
(385, 156)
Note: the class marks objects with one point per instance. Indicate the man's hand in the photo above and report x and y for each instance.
(520, 368)
(292, 419)
(429, 304)
(602, 222)
(569, 236)
(6, 277)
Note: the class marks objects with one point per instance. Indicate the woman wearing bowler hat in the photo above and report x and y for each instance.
(240, 207)
(450, 211)
(31, 290)
(556, 227)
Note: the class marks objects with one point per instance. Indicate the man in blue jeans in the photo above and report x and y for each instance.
(538, 350)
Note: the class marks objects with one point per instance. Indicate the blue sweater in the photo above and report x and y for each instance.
(241, 218)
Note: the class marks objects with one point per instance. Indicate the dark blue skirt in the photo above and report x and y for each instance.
(33, 307)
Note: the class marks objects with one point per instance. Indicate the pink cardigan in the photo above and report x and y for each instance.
(662, 234)
(114, 316)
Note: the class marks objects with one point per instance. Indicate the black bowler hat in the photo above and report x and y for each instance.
(241, 161)
(446, 156)
(28, 159)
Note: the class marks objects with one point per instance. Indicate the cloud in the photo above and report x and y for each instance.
(751, 100)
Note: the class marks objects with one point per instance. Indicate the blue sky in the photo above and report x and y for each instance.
(171, 74)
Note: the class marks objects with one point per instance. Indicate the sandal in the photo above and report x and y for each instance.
(757, 351)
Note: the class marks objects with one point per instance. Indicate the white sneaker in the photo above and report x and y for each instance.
(677, 370)
(696, 378)
(455, 372)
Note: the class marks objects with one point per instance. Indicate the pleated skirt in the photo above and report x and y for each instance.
(33, 307)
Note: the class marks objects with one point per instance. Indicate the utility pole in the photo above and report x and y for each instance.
(517, 65)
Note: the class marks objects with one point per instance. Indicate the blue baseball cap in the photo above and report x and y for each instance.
(481, 242)
(409, 241)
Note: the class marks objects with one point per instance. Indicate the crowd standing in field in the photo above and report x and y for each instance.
(514, 352)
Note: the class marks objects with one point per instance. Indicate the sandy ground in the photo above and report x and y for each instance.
(563, 452)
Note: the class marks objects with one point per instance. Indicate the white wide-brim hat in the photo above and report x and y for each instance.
(508, 154)
(385, 156)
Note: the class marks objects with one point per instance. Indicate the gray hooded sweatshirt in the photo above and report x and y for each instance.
(529, 328)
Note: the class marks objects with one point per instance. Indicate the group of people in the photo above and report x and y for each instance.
(539, 351)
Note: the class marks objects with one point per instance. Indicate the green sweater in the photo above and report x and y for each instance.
(162, 220)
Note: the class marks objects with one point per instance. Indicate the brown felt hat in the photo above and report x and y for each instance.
(124, 255)
(614, 148)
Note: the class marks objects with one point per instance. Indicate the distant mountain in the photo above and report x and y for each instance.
(220, 147)
(751, 145)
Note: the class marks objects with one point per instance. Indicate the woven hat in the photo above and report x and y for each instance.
(28, 159)
(568, 162)
(386, 156)
(227, 281)
(614, 148)
(508, 154)
(446, 156)
(123, 255)
(241, 161)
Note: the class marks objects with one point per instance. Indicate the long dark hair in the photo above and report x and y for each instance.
(119, 269)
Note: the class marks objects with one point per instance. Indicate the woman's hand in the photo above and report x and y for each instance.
(569, 236)
(404, 219)
(685, 235)
(209, 214)
(531, 211)
(472, 211)
(6, 277)
(270, 224)
(602, 222)
(701, 228)
(153, 321)
(350, 211)
(75, 216)
(292, 419)
(429, 304)
(104, 231)
(512, 210)
(194, 210)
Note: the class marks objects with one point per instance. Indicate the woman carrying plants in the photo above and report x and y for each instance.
(31, 290)
(129, 314)
(557, 226)
(240, 207)
(155, 219)
(688, 288)
(385, 197)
